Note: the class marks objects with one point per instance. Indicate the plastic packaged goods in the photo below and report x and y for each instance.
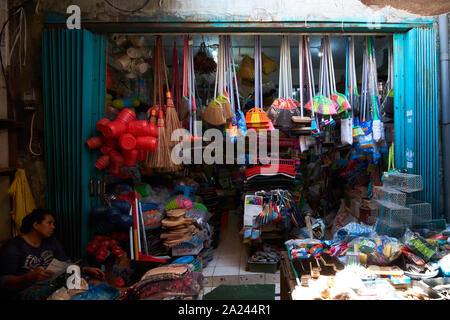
(354, 230)
(419, 245)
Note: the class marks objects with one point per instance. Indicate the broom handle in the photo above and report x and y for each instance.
(193, 91)
(260, 75)
(154, 72)
(234, 76)
(159, 71)
(330, 56)
(175, 75)
(185, 65)
(217, 73)
(256, 73)
(189, 83)
(310, 83)
(164, 65)
(230, 71)
(321, 71)
(281, 74)
(300, 72)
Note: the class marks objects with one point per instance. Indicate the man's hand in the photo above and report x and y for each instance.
(39, 274)
(94, 272)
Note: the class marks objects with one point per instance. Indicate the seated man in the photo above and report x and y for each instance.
(24, 259)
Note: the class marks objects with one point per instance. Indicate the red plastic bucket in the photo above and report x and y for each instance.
(116, 157)
(102, 162)
(105, 149)
(127, 141)
(101, 123)
(138, 128)
(142, 156)
(126, 116)
(152, 130)
(130, 157)
(114, 129)
(94, 142)
(147, 143)
(111, 142)
(114, 168)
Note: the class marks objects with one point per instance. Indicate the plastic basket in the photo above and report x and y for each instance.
(404, 182)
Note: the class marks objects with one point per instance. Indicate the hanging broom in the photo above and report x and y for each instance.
(163, 151)
(172, 121)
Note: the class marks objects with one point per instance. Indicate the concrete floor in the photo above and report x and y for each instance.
(228, 266)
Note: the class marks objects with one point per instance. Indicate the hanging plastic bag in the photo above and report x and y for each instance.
(347, 131)
(377, 125)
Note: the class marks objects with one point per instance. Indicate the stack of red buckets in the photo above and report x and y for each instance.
(124, 141)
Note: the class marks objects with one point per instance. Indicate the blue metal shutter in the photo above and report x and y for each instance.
(416, 109)
(74, 99)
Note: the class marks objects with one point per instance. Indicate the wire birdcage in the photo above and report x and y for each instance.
(389, 194)
(404, 182)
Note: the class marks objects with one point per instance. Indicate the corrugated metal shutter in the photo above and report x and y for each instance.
(416, 109)
(74, 98)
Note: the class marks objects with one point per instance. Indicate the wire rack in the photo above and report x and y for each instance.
(421, 213)
(404, 182)
(389, 194)
(393, 219)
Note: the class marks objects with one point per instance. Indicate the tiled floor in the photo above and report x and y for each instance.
(229, 264)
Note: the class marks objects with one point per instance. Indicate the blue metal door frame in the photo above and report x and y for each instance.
(415, 81)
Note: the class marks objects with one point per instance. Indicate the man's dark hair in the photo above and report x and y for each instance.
(37, 215)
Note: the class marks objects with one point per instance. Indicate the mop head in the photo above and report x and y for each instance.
(377, 127)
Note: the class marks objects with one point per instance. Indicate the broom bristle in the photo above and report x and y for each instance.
(214, 116)
(172, 124)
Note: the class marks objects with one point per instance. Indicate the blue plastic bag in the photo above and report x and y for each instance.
(100, 292)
